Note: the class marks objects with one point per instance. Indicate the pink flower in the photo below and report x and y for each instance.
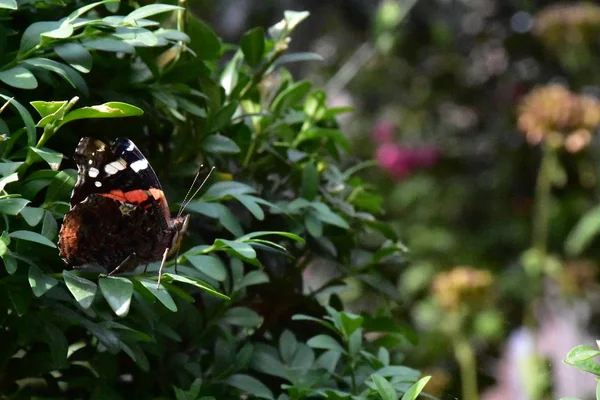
(400, 162)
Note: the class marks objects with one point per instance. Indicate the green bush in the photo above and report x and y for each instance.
(236, 318)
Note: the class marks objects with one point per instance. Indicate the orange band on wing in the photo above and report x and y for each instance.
(133, 196)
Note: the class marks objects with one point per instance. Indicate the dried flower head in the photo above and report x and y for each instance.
(558, 116)
(578, 276)
(568, 24)
(462, 286)
(439, 382)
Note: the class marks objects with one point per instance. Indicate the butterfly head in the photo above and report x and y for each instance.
(180, 226)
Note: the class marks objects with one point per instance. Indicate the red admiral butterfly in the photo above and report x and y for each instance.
(119, 216)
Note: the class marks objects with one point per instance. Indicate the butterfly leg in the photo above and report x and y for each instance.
(162, 265)
(146, 268)
(122, 265)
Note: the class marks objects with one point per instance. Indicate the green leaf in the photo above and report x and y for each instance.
(32, 237)
(112, 45)
(8, 4)
(296, 57)
(49, 226)
(20, 296)
(161, 294)
(290, 20)
(26, 117)
(253, 45)
(210, 265)
(149, 10)
(325, 342)
(219, 144)
(384, 388)
(222, 118)
(19, 77)
(61, 185)
(113, 109)
(350, 322)
(82, 289)
(204, 42)
(82, 10)
(290, 97)
(242, 316)
(45, 108)
(117, 292)
(242, 249)
(32, 215)
(218, 211)
(40, 283)
(287, 346)
(226, 188)
(52, 157)
(253, 278)
(256, 234)
(62, 32)
(230, 75)
(195, 282)
(10, 263)
(9, 167)
(310, 181)
(250, 203)
(584, 232)
(581, 353)
(66, 72)
(75, 55)
(12, 206)
(413, 392)
(33, 34)
(250, 385)
(405, 373)
(316, 133)
(326, 215)
(14, 177)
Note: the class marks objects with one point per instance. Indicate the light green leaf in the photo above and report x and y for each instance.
(290, 97)
(250, 204)
(161, 294)
(584, 232)
(32, 237)
(12, 206)
(46, 108)
(8, 4)
(14, 177)
(82, 289)
(384, 388)
(310, 181)
(40, 283)
(19, 77)
(113, 109)
(117, 291)
(149, 10)
(226, 188)
(25, 116)
(64, 31)
(50, 156)
(32, 215)
(242, 249)
(413, 392)
(290, 20)
(256, 234)
(33, 34)
(325, 342)
(112, 45)
(195, 282)
(212, 266)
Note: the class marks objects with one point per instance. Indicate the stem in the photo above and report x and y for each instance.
(543, 203)
(468, 368)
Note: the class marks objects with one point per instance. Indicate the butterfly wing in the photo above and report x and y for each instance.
(102, 169)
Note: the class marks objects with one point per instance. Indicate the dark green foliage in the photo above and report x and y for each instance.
(281, 198)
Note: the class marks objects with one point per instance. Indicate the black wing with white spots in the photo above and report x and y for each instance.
(101, 168)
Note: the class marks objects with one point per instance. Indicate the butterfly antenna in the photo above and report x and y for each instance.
(185, 204)
(189, 190)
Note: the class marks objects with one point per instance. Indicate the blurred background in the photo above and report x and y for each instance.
(481, 117)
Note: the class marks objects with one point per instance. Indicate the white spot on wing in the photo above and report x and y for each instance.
(90, 162)
(130, 147)
(98, 184)
(115, 167)
(139, 165)
(93, 172)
